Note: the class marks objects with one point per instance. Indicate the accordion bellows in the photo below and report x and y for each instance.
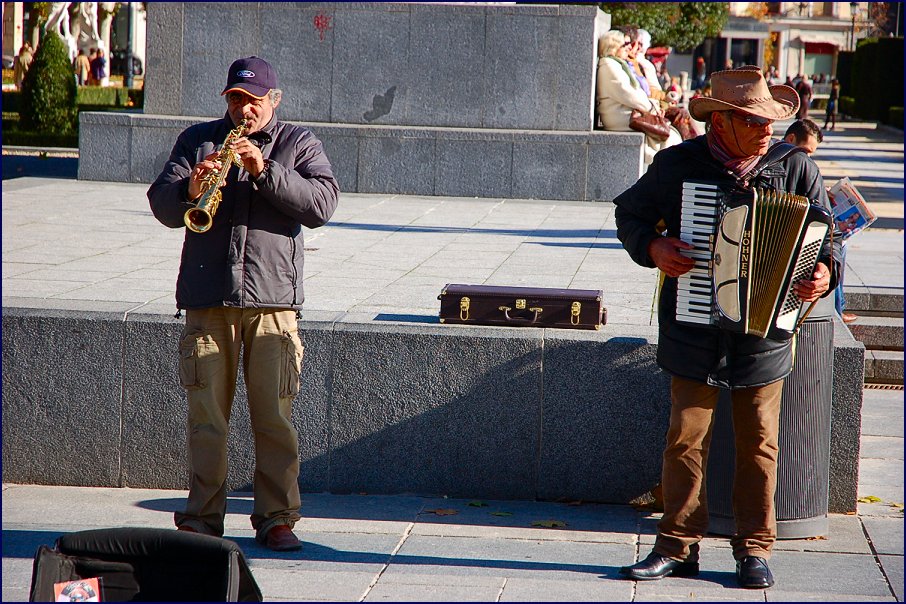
(751, 246)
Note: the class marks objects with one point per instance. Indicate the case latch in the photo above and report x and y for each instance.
(464, 308)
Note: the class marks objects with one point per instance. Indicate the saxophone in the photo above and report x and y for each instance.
(200, 218)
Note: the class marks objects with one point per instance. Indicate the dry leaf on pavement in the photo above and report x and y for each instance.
(442, 512)
(549, 523)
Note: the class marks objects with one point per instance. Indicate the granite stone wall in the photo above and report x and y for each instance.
(92, 398)
(527, 67)
(456, 162)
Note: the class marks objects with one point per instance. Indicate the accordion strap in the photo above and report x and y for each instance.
(776, 154)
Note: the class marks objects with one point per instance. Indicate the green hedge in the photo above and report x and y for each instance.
(114, 97)
(19, 138)
(88, 98)
(49, 90)
(895, 117)
(11, 101)
(13, 136)
(877, 77)
(847, 106)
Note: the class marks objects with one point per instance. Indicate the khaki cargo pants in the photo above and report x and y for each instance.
(208, 367)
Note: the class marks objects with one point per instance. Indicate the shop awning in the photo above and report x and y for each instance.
(822, 37)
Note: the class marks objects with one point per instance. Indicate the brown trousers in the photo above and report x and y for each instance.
(756, 422)
(208, 368)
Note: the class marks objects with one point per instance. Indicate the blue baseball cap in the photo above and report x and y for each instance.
(251, 75)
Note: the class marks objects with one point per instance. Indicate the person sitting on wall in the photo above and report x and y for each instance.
(619, 92)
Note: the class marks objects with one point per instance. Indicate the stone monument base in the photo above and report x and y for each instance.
(410, 160)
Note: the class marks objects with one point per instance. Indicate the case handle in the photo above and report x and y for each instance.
(506, 313)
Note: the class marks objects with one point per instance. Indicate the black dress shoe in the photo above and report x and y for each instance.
(656, 566)
(753, 572)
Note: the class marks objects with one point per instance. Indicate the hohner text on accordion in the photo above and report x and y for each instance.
(750, 246)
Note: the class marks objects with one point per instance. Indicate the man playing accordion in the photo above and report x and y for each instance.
(737, 150)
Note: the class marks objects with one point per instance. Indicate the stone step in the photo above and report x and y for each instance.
(874, 299)
(878, 332)
(884, 367)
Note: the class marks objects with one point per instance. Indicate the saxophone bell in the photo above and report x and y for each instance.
(200, 218)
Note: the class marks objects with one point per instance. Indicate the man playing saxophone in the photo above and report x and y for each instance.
(240, 284)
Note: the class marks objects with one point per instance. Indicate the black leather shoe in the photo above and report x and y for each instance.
(752, 572)
(656, 566)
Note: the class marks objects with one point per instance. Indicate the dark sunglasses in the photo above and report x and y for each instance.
(752, 121)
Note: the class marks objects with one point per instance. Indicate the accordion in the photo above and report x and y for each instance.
(750, 247)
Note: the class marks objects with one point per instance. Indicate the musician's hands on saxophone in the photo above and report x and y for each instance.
(200, 172)
(249, 154)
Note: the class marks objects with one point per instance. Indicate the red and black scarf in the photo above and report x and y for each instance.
(740, 166)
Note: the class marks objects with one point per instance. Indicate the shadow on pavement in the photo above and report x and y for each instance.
(557, 233)
(24, 544)
(16, 166)
(895, 224)
(577, 516)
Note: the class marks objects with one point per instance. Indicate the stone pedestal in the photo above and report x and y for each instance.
(429, 99)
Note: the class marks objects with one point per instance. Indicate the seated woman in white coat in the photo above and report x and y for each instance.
(619, 92)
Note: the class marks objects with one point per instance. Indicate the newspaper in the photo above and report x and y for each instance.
(851, 212)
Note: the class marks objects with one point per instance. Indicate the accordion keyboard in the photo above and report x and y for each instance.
(700, 214)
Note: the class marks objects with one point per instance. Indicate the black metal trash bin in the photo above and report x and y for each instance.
(803, 464)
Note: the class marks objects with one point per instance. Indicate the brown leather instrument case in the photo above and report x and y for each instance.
(522, 306)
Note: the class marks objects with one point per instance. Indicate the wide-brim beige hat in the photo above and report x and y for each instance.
(745, 89)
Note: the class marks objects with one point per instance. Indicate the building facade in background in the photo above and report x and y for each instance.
(798, 37)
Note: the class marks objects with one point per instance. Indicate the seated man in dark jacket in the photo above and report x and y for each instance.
(240, 283)
(701, 359)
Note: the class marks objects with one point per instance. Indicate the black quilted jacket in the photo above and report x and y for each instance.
(707, 354)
